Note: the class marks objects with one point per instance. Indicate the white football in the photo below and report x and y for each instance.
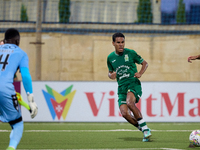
(195, 138)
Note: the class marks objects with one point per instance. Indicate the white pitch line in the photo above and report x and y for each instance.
(72, 124)
(111, 149)
(179, 124)
(106, 124)
(116, 130)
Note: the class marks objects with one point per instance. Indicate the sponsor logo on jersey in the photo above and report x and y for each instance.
(126, 57)
(113, 61)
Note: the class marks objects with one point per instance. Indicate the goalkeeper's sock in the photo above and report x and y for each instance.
(142, 124)
(16, 134)
(22, 102)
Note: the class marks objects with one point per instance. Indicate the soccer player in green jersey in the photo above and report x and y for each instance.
(122, 66)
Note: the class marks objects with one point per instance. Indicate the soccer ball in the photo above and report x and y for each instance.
(195, 138)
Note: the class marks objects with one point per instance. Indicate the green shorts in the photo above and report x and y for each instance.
(135, 88)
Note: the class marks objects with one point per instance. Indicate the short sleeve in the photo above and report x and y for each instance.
(110, 68)
(137, 58)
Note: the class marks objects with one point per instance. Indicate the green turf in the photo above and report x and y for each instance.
(99, 136)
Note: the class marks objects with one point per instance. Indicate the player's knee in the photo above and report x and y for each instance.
(130, 104)
(15, 121)
(125, 114)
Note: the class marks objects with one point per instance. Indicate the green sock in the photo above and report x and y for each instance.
(143, 125)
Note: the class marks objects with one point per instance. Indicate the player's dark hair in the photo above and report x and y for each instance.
(118, 34)
(12, 36)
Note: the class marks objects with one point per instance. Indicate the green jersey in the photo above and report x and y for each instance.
(124, 65)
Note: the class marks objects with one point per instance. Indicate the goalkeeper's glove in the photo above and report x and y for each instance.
(33, 105)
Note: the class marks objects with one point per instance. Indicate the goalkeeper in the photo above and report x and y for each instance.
(19, 97)
(12, 58)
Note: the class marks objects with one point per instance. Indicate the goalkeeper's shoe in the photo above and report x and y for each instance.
(33, 105)
(10, 148)
(147, 135)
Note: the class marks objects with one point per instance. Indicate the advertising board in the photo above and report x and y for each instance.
(97, 102)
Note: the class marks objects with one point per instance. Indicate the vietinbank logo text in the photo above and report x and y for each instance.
(59, 103)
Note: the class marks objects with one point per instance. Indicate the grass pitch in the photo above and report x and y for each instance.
(165, 136)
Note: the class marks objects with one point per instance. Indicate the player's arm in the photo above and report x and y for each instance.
(142, 70)
(25, 74)
(27, 82)
(26, 79)
(193, 58)
(112, 75)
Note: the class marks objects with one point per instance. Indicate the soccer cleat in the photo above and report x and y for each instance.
(147, 135)
(145, 140)
(10, 148)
